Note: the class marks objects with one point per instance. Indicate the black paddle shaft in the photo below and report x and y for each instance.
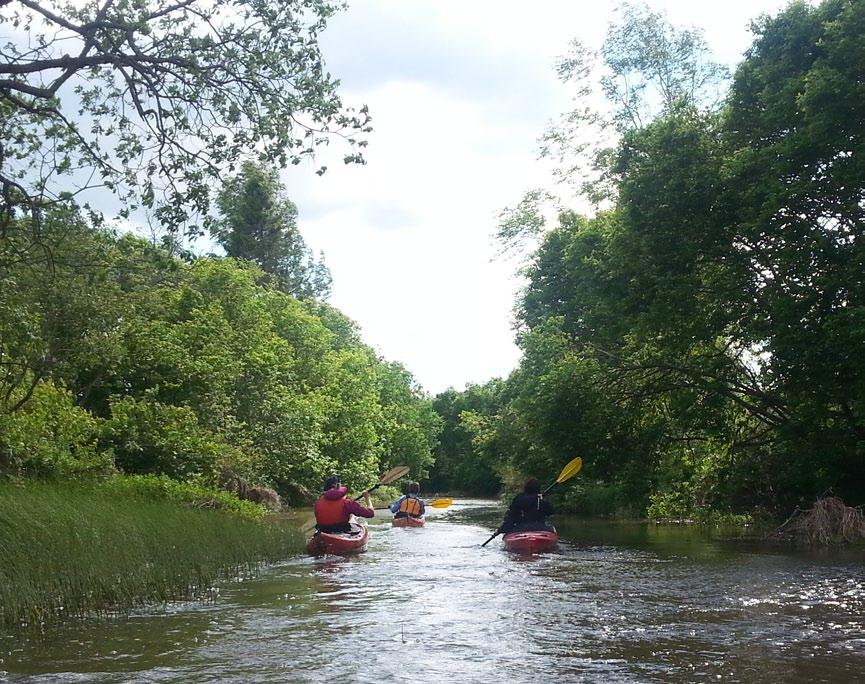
(391, 475)
(368, 491)
(495, 534)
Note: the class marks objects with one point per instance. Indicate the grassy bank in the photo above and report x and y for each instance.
(71, 550)
(615, 501)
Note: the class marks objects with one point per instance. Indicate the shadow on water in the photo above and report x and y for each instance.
(626, 602)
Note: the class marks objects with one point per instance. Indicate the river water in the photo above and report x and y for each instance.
(616, 603)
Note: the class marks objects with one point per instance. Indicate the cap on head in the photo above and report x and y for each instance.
(331, 482)
(532, 486)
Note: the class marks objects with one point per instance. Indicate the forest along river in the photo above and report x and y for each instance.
(617, 602)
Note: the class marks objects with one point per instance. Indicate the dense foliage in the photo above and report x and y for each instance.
(116, 355)
(700, 341)
(147, 400)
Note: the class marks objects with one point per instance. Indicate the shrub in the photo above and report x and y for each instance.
(49, 436)
(148, 437)
(163, 488)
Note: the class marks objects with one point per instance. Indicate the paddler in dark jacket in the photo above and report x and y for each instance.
(528, 510)
(334, 509)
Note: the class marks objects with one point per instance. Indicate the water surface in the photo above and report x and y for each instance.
(618, 602)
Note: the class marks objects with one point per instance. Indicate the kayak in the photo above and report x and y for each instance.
(409, 522)
(339, 543)
(531, 541)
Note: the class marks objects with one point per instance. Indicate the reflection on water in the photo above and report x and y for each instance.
(617, 602)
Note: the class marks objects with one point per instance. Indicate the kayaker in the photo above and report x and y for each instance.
(410, 504)
(334, 508)
(528, 510)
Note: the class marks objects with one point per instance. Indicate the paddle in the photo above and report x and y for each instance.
(435, 503)
(567, 473)
(439, 503)
(391, 475)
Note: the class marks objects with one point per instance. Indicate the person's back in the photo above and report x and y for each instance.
(333, 509)
(528, 510)
(409, 505)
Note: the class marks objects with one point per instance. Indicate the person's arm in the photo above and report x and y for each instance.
(508, 522)
(355, 508)
(395, 507)
(511, 517)
(422, 506)
(547, 507)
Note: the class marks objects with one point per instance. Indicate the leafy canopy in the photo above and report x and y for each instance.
(154, 98)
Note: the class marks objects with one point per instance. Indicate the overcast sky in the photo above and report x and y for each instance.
(459, 91)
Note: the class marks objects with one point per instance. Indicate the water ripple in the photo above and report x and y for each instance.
(616, 603)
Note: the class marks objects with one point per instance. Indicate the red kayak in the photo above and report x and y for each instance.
(339, 543)
(532, 541)
(409, 522)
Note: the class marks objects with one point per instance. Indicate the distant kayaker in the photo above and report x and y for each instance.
(528, 510)
(409, 505)
(334, 508)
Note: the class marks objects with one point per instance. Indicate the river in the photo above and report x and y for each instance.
(616, 603)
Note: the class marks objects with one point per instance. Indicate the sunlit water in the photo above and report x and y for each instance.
(622, 603)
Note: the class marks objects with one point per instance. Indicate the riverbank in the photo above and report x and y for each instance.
(72, 550)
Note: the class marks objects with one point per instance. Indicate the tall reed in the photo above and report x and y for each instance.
(71, 550)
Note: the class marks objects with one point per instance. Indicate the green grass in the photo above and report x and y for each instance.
(72, 550)
(162, 487)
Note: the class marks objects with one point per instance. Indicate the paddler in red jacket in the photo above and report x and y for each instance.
(334, 509)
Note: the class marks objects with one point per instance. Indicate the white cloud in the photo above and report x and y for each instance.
(407, 237)
(459, 92)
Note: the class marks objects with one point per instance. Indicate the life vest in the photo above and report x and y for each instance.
(330, 511)
(410, 506)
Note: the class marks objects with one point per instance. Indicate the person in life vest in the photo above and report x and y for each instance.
(409, 504)
(528, 510)
(334, 508)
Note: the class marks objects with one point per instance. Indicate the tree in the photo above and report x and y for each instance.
(719, 306)
(469, 450)
(259, 223)
(794, 131)
(646, 68)
(409, 426)
(59, 309)
(157, 97)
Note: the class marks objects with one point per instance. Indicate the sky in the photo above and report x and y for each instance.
(459, 92)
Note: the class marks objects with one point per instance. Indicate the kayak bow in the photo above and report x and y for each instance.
(339, 543)
(409, 522)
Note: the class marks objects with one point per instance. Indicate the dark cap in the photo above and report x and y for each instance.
(331, 482)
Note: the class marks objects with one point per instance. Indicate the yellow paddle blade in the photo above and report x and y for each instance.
(570, 470)
(440, 503)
